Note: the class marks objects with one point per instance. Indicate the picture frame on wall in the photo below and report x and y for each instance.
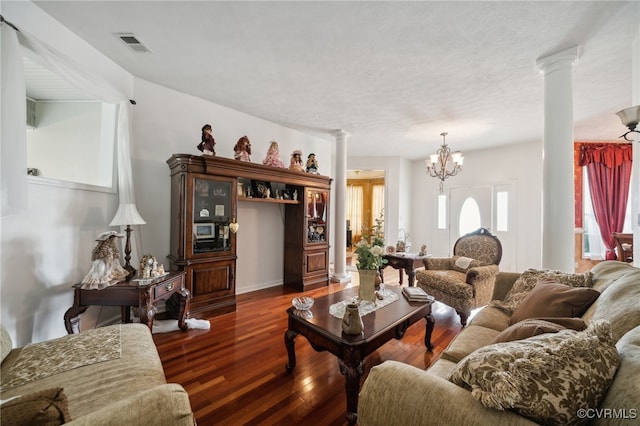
(261, 189)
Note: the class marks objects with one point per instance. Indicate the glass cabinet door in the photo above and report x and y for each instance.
(212, 214)
(316, 217)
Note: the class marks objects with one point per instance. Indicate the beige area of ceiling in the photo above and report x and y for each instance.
(394, 75)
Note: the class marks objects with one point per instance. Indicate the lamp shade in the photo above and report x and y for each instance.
(630, 116)
(127, 214)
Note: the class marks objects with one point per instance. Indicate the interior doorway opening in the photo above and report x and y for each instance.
(365, 201)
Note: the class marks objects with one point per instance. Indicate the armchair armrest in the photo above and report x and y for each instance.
(164, 405)
(481, 273)
(437, 263)
(400, 394)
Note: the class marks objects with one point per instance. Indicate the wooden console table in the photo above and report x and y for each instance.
(407, 261)
(131, 293)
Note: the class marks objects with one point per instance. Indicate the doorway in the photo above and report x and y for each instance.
(488, 207)
(365, 201)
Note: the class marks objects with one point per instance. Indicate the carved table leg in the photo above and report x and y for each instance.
(411, 273)
(431, 322)
(72, 318)
(184, 308)
(352, 368)
(289, 341)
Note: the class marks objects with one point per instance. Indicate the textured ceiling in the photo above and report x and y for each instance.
(394, 75)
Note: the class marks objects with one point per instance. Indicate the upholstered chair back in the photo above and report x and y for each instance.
(480, 245)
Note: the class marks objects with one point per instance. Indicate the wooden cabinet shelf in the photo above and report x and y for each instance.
(204, 196)
(268, 200)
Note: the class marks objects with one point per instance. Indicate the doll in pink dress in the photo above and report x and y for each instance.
(273, 156)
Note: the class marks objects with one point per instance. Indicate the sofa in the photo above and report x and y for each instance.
(105, 376)
(592, 372)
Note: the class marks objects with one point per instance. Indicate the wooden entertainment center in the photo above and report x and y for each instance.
(205, 191)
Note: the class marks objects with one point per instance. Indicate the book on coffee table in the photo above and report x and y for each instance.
(416, 294)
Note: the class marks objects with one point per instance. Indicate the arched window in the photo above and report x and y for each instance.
(469, 219)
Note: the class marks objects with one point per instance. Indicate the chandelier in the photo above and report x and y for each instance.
(438, 162)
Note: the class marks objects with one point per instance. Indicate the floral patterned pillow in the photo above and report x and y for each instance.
(528, 280)
(547, 378)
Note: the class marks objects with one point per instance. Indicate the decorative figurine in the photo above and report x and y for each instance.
(105, 269)
(242, 150)
(423, 250)
(273, 156)
(312, 164)
(207, 143)
(296, 161)
(295, 195)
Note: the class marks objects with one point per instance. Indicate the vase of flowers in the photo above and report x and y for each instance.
(370, 250)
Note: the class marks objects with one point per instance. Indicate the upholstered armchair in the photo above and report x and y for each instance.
(466, 280)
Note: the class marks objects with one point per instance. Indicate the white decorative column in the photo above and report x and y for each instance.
(558, 247)
(340, 202)
(635, 173)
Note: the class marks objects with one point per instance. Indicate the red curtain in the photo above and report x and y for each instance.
(609, 172)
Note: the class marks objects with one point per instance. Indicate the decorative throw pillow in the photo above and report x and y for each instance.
(533, 327)
(462, 264)
(546, 378)
(551, 299)
(46, 407)
(528, 280)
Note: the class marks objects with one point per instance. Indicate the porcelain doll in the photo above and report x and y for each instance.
(207, 143)
(312, 164)
(242, 150)
(296, 161)
(273, 156)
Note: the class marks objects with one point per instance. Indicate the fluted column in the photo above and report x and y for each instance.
(340, 202)
(558, 249)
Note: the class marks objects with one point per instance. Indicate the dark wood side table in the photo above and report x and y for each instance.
(324, 333)
(407, 261)
(131, 293)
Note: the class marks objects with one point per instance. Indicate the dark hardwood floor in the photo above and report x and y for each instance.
(235, 372)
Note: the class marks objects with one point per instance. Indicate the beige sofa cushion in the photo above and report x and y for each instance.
(624, 393)
(620, 302)
(547, 378)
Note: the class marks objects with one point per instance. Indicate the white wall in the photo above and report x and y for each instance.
(521, 164)
(47, 248)
(168, 122)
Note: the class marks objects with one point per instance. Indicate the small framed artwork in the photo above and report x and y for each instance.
(261, 189)
(241, 190)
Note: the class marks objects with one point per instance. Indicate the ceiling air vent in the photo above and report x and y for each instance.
(133, 43)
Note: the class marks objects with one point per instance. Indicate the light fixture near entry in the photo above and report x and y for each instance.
(437, 164)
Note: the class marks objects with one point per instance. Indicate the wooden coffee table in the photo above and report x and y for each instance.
(324, 333)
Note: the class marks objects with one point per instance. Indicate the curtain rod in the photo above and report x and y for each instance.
(8, 23)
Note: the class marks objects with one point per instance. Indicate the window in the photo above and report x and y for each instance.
(469, 217)
(502, 211)
(354, 208)
(442, 211)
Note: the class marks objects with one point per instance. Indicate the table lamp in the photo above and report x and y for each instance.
(128, 215)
